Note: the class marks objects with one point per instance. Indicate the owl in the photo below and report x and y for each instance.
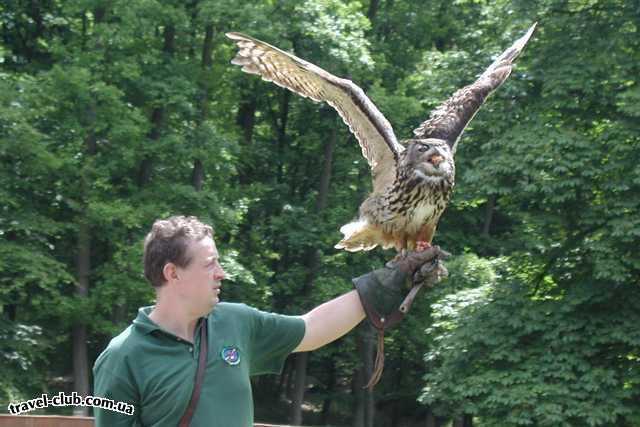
(413, 181)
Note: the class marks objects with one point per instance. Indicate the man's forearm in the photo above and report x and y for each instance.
(331, 320)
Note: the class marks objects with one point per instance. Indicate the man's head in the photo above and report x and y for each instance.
(181, 257)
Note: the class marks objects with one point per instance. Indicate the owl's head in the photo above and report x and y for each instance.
(430, 159)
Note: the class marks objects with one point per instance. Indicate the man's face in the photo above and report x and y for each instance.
(199, 283)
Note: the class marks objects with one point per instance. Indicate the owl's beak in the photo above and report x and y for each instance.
(436, 159)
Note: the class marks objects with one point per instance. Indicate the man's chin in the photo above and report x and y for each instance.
(212, 304)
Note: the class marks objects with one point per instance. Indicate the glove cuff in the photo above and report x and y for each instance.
(382, 292)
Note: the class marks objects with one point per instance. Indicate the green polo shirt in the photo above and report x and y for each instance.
(155, 371)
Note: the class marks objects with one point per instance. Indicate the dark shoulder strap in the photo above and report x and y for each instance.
(202, 364)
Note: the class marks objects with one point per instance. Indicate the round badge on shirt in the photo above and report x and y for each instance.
(231, 355)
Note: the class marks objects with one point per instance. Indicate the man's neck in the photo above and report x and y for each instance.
(174, 319)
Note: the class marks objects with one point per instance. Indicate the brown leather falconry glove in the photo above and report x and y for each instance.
(387, 293)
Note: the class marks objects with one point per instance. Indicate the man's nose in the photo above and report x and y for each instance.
(219, 274)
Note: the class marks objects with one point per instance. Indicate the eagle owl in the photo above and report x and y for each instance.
(412, 183)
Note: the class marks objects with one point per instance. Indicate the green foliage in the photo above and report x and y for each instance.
(107, 107)
(513, 360)
(21, 349)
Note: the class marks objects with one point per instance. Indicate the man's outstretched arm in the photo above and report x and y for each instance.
(382, 295)
(331, 320)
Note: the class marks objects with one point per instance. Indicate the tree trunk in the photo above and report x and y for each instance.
(284, 377)
(35, 13)
(464, 421)
(365, 403)
(197, 176)
(357, 390)
(281, 131)
(302, 359)
(369, 356)
(431, 420)
(119, 314)
(206, 64)
(373, 10)
(364, 398)
(246, 117)
(169, 35)
(488, 216)
(198, 173)
(325, 178)
(313, 265)
(146, 166)
(291, 379)
(328, 400)
(144, 173)
(158, 114)
(83, 268)
(99, 13)
(79, 329)
(10, 311)
(396, 413)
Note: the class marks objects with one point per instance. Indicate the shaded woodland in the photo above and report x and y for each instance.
(114, 113)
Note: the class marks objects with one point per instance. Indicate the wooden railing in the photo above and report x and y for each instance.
(44, 421)
(60, 421)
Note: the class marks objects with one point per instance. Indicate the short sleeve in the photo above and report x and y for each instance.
(274, 337)
(110, 386)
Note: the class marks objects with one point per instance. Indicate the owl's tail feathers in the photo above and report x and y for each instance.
(359, 235)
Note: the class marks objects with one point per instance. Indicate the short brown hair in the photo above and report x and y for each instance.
(168, 241)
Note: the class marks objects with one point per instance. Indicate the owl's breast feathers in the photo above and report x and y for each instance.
(410, 204)
(406, 212)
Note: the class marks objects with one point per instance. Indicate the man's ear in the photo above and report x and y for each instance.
(170, 272)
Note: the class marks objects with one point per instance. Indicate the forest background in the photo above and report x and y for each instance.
(114, 113)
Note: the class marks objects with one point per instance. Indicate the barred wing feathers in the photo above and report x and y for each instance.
(372, 130)
(448, 121)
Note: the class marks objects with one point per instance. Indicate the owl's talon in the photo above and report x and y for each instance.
(422, 246)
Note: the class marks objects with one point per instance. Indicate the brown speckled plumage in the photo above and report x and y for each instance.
(412, 183)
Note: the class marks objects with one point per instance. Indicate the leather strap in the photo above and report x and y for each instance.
(381, 323)
(202, 364)
(408, 300)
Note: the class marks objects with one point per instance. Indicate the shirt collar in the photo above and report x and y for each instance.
(144, 324)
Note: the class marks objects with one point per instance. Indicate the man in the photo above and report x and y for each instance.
(153, 363)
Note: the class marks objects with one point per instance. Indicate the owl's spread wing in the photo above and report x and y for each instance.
(370, 127)
(449, 120)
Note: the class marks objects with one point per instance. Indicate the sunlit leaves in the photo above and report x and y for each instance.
(514, 361)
